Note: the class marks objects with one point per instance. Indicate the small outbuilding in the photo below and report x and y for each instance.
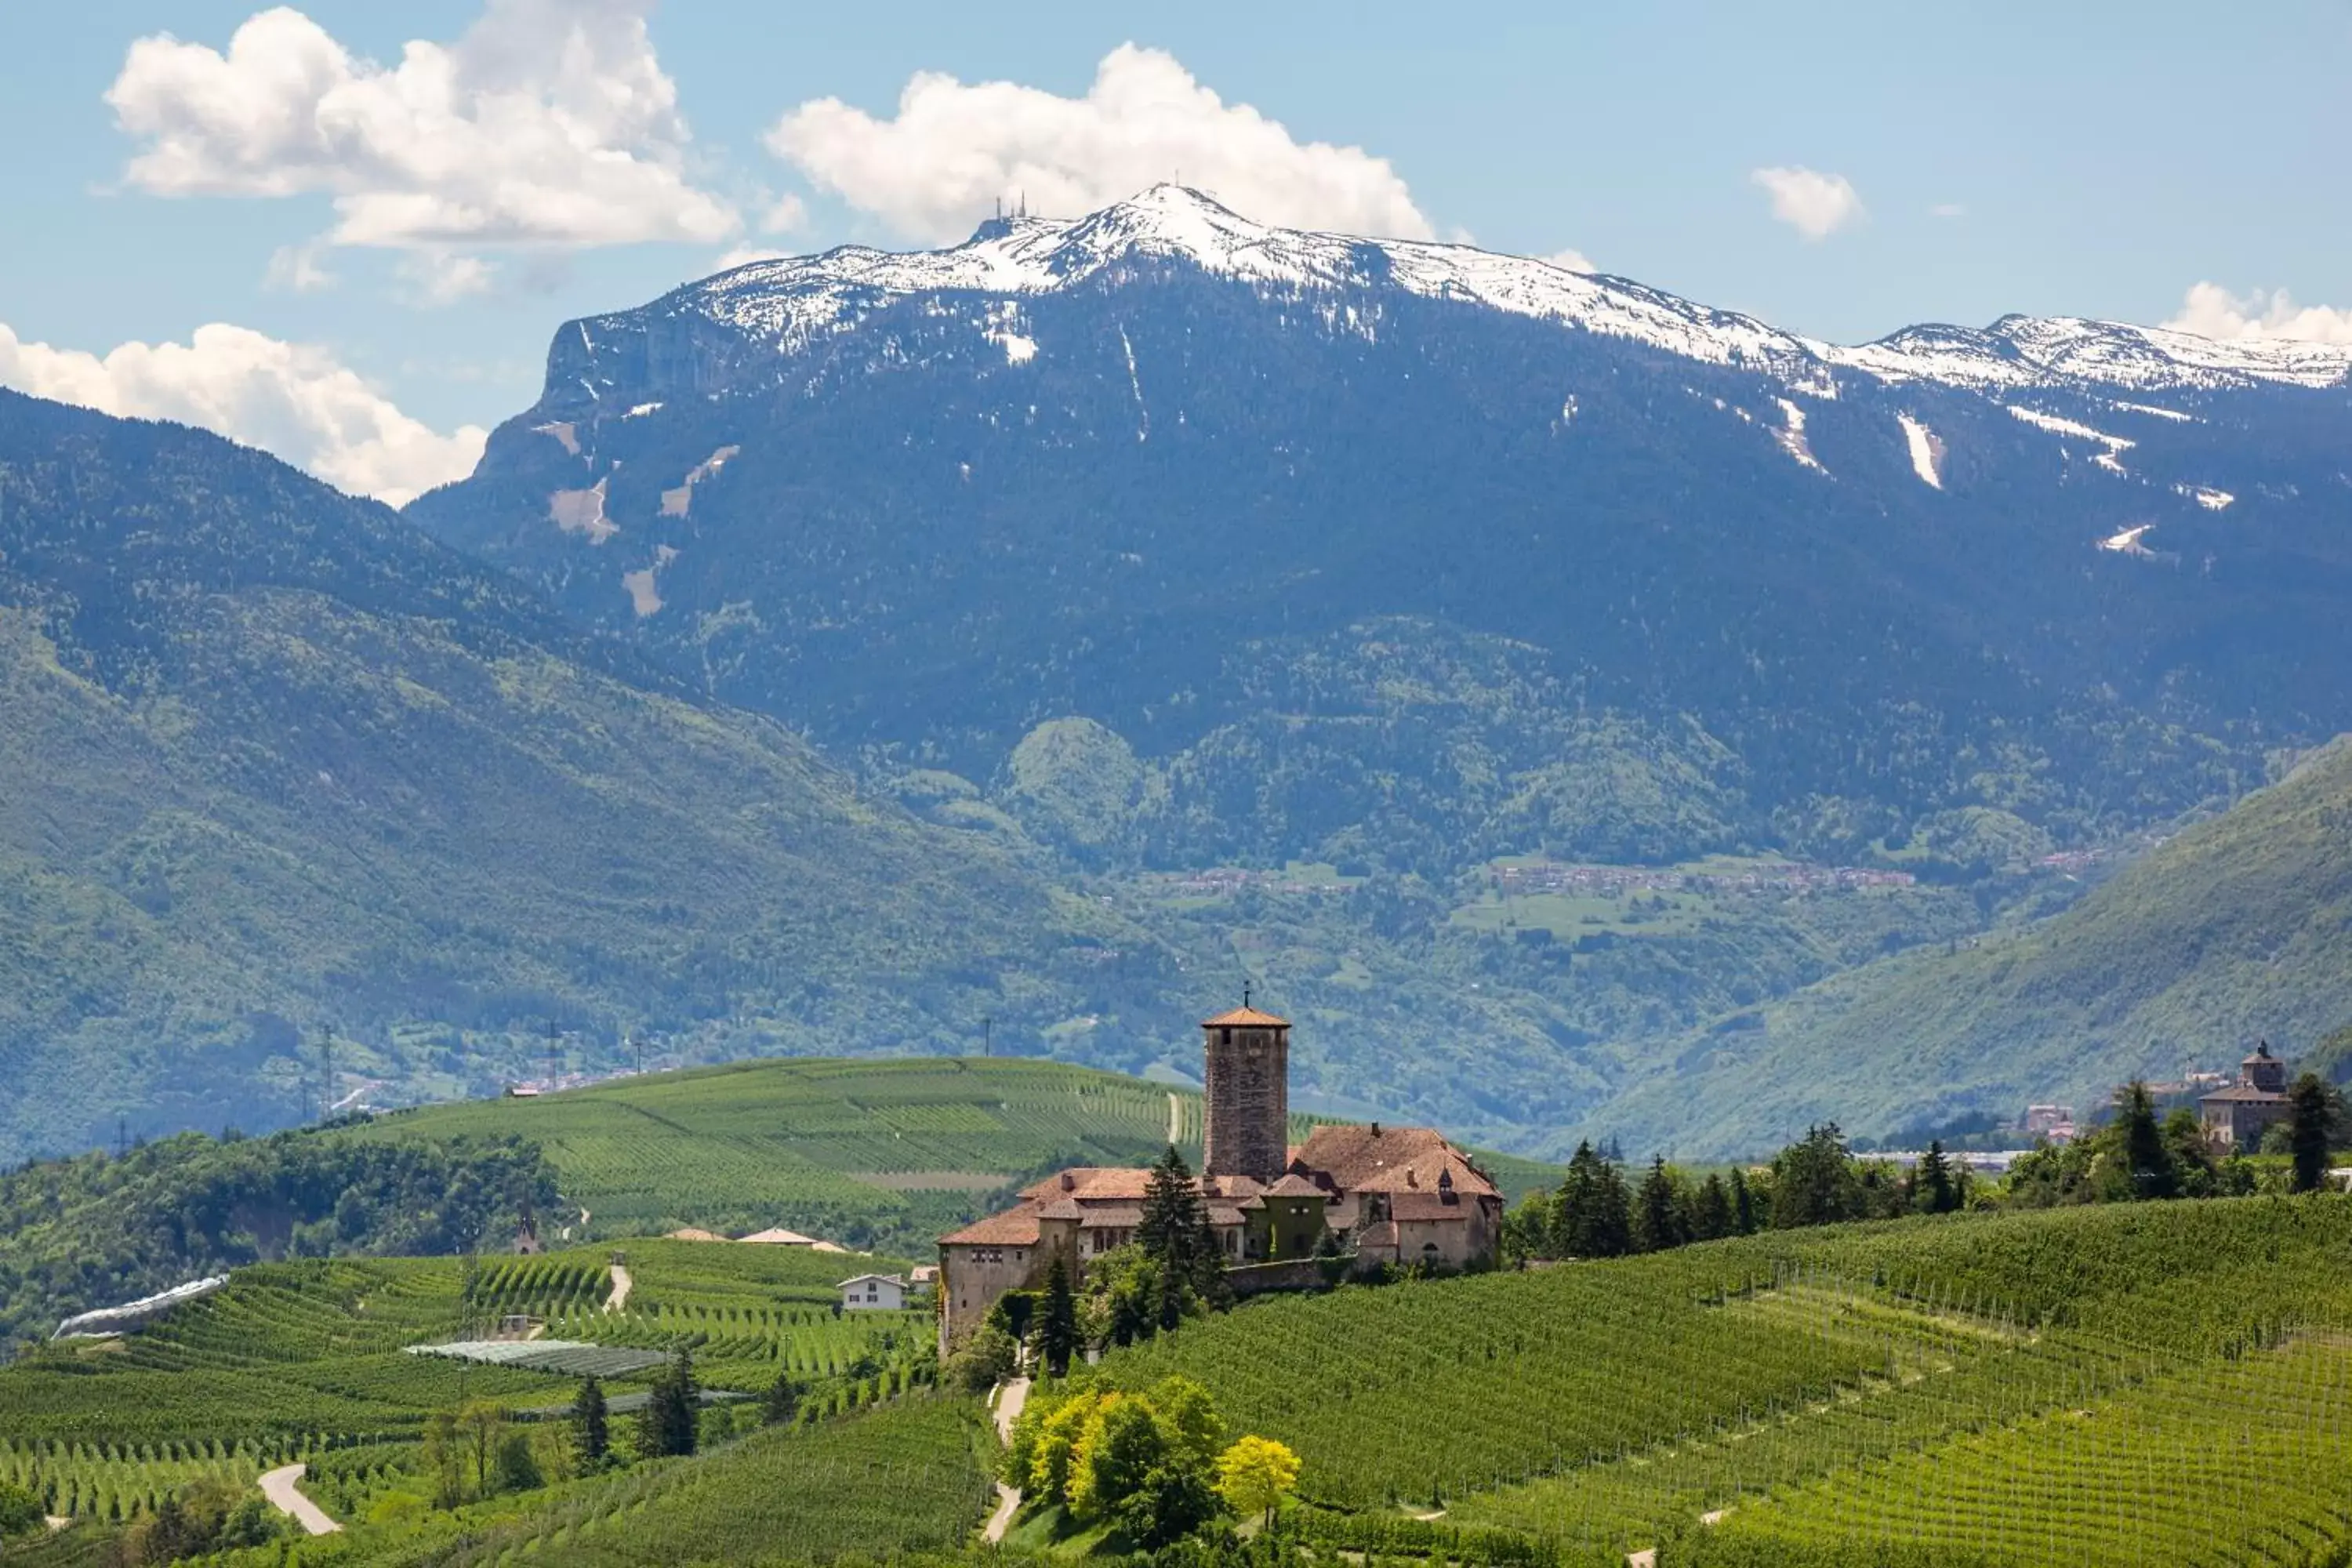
(873, 1293)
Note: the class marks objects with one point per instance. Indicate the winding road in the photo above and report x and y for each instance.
(1010, 1397)
(278, 1486)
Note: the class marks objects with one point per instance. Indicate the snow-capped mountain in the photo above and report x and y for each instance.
(925, 500)
(787, 304)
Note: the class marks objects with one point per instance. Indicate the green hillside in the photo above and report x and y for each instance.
(275, 761)
(2236, 929)
(885, 1153)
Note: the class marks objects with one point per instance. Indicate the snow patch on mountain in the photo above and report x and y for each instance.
(1925, 449)
(2114, 447)
(2127, 541)
(2209, 499)
(1791, 435)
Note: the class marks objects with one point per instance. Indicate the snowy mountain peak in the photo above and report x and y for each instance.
(790, 302)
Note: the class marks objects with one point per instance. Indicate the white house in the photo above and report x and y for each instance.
(873, 1293)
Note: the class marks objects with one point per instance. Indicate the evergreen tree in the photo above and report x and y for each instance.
(1173, 1232)
(1658, 1215)
(1814, 1180)
(1571, 1205)
(2139, 1142)
(1608, 1226)
(668, 1425)
(1056, 1337)
(592, 1425)
(1743, 1204)
(2314, 1110)
(1711, 1213)
(1932, 1191)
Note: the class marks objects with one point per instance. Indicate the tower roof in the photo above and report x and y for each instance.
(1245, 1018)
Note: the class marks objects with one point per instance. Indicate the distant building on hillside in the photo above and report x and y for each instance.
(873, 1293)
(2238, 1116)
(2043, 1120)
(1398, 1195)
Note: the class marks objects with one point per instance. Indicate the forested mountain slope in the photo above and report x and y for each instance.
(274, 760)
(2236, 931)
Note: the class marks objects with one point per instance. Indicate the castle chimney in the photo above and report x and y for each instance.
(1247, 1129)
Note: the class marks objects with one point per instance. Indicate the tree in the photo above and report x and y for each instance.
(1932, 1191)
(1057, 1339)
(592, 1425)
(1814, 1180)
(1171, 1501)
(1173, 1232)
(1592, 1212)
(1658, 1213)
(2314, 1112)
(1254, 1475)
(1711, 1215)
(1743, 1204)
(20, 1511)
(668, 1427)
(518, 1467)
(782, 1403)
(984, 1359)
(481, 1424)
(2138, 1143)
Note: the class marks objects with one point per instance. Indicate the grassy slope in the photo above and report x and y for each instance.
(2233, 930)
(274, 759)
(891, 1150)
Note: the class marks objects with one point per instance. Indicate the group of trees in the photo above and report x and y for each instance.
(2136, 1155)
(1155, 1464)
(1596, 1212)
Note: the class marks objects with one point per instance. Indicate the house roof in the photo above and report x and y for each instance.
(1426, 1207)
(2243, 1094)
(1064, 1208)
(1294, 1187)
(877, 1278)
(1377, 1159)
(1246, 1018)
(779, 1236)
(694, 1233)
(1225, 1214)
(1109, 1216)
(1014, 1227)
(1092, 1183)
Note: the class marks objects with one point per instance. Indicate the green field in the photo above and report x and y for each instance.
(882, 1152)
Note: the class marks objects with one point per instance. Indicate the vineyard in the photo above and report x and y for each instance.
(1803, 1379)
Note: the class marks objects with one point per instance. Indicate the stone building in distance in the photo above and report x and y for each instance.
(1397, 1196)
(2238, 1116)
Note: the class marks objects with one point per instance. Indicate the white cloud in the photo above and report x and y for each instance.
(954, 148)
(290, 399)
(299, 267)
(550, 123)
(2213, 311)
(1948, 210)
(1573, 260)
(1813, 204)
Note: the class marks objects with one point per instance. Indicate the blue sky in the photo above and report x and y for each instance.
(399, 278)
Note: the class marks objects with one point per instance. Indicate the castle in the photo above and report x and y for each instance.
(1398, 1195)
(2238, 1116)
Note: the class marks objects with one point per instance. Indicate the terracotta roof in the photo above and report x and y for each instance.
(2243, 1094)
(1246, 1018)
(1233, 1186)
(1092, 1183)
(1382, 1235)
(1014, 1227)
(1391, 1160)
(779, 1236)
(1064, 1208)
(1294, 1187)
(1109, 1216)
(1428, 1206)
(1225, 1214)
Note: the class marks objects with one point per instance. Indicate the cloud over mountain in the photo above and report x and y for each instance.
(1813, 204)
(2213, 311)
(549, 124)
(290, 399)
(955, 147)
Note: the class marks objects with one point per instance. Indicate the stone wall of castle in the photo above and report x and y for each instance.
(1247, 1096)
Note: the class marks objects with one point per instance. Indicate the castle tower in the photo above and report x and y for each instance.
(1248, 1096)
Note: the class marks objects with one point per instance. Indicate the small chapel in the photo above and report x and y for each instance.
(1396, 1195)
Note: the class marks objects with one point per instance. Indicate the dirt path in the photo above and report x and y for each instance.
(1010, 1397)
(622, 1285)
(278, 1486)
(1175, 1117)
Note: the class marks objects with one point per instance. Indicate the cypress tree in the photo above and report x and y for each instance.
(2141, 1143)
(1057, 1320)
(1608, 1226)
(1658, 1215)
(1932, 1188)
(1173, 1232)
(1743, 1205)
(782, 1403)
(592, 1424)
(668, 1425)
(2313, 1108)
(1711, 1215)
